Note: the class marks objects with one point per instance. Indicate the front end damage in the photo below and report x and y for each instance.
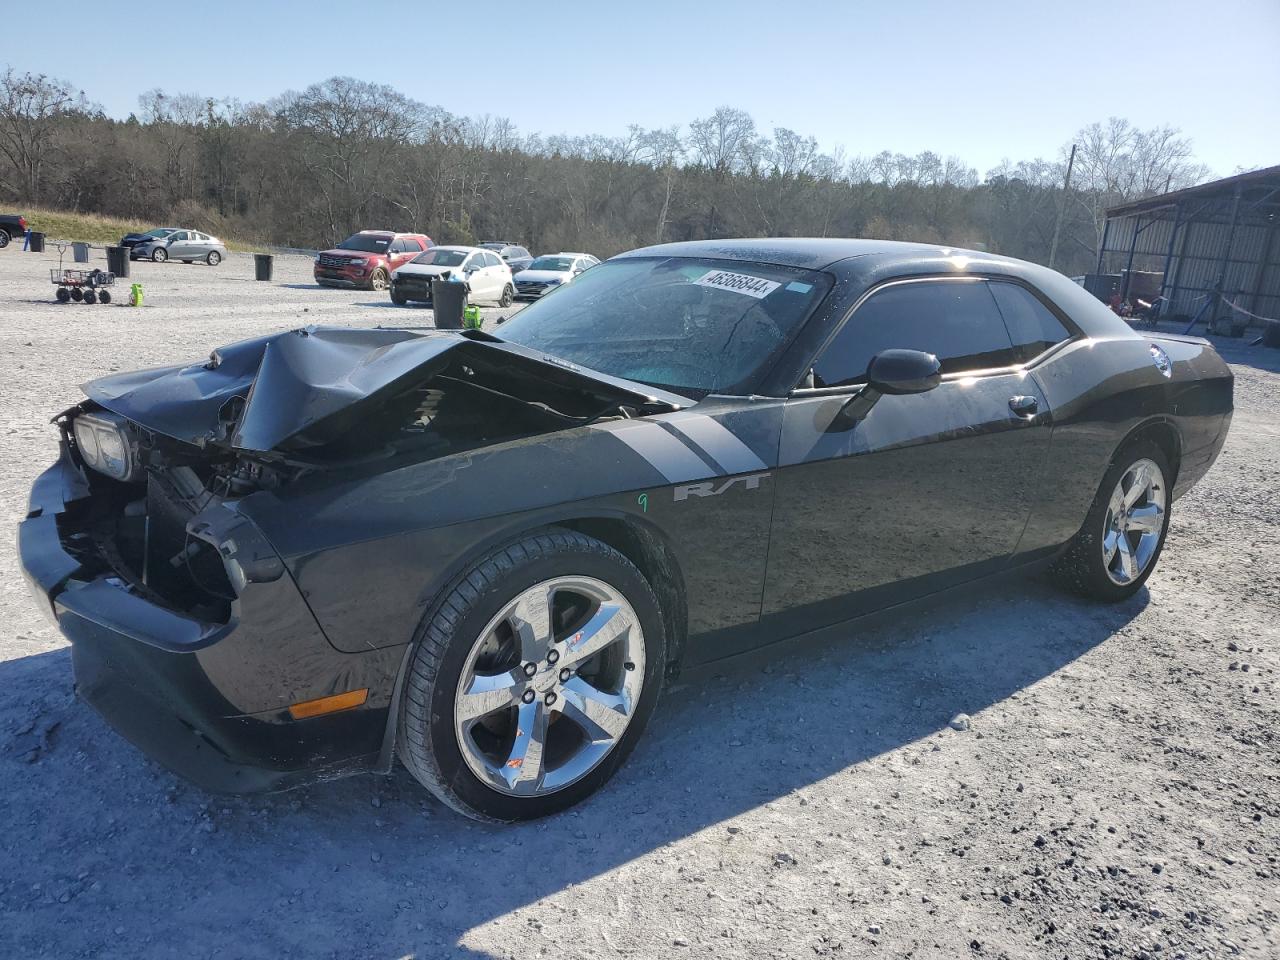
(188, 632)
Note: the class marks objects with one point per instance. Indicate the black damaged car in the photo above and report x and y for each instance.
(317, 552)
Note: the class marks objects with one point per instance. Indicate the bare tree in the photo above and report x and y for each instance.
(30, 107)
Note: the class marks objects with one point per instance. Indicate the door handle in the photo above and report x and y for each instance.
(1025, 407)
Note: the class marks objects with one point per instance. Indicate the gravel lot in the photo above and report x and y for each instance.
(1117, 793)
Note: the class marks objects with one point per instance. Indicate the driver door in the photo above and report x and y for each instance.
(925, 491)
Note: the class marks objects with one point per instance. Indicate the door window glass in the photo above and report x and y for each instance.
(1032, 326)
(958, 321)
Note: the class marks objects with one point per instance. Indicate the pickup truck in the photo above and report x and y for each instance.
(11, 225)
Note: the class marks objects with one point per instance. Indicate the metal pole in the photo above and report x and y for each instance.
(1168, 255)
(1106, 232)
(1124, 285)
(1062, 207)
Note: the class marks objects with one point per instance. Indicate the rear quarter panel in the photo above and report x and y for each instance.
(1101, 392)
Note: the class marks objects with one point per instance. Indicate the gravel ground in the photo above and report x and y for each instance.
(1116, 792)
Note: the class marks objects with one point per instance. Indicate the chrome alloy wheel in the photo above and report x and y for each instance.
(1135, 522)
(550, 686)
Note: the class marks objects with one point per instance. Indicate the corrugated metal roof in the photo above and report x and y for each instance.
(1264, 178)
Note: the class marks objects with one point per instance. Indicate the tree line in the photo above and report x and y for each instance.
(306, 168)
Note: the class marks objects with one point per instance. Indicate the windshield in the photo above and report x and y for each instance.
(552, 263)
(366, 243)
(689, 325)
(442, 258)
(162, 232)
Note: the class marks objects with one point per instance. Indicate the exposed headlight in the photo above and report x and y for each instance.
(104, 445)
(316, 258)
(358, 262)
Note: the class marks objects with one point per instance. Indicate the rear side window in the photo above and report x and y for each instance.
(491, 261)
(1032, 326)
(957, 320)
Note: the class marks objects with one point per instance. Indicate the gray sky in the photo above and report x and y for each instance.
(983, 81)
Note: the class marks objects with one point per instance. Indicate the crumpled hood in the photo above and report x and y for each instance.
(425, 270)
(305, 387)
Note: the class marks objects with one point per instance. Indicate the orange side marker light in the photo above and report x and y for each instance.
(324, 705)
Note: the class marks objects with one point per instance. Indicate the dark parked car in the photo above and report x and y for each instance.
(11, 225)
(134, 240)
(318, 551)
(513, 255)
(367, 259)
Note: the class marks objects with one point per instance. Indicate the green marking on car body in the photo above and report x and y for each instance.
(643, 500)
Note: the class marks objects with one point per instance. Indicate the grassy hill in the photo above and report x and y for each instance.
(97, 229)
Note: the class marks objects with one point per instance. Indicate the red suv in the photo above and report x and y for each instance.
(366, 259)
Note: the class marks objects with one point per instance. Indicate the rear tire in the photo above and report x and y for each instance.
(214, 258)
(63, 294)
(459, 751)
(90, 297)
(508, 294)
(104, 296)
(1112, 556)
(4, 238)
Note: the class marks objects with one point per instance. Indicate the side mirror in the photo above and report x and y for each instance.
(900, 372)
(892, 372)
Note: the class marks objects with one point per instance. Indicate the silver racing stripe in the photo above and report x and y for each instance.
(664, 452)
(715, 440)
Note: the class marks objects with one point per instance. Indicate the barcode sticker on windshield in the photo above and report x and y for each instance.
(738, 283)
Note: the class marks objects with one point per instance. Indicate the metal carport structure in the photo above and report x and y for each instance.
(1214, 244)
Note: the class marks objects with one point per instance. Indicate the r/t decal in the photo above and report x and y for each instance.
(709, 488)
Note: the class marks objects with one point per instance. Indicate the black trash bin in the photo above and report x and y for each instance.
(37, 242)
(118, 261)
(263, 264)
(448, 300)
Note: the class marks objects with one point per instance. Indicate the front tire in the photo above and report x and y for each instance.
(159, 256)
(1123, 536)
(379, 280)
(508, 294)
(399, 299)
(533, 678)
(4, 238)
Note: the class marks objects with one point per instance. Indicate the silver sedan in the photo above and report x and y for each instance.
(185, 245)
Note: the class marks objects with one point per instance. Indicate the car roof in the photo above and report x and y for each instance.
(565, 253)
(456, 246)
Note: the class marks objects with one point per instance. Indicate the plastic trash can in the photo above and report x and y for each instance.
(80, 251)
(118, 261)
(263, 264)
(448, 300)
(37, 242)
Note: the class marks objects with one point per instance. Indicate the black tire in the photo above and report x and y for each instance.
(1082, 569)
(77, 294)
(214, 258)
(159, 255)
(379, 280)
(63, 294)
(4, 238)
(90, 297)
(104, 296)
(398, 298)
(508, 294)
(426, 739)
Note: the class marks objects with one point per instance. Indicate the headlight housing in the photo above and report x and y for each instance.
(104, 444)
